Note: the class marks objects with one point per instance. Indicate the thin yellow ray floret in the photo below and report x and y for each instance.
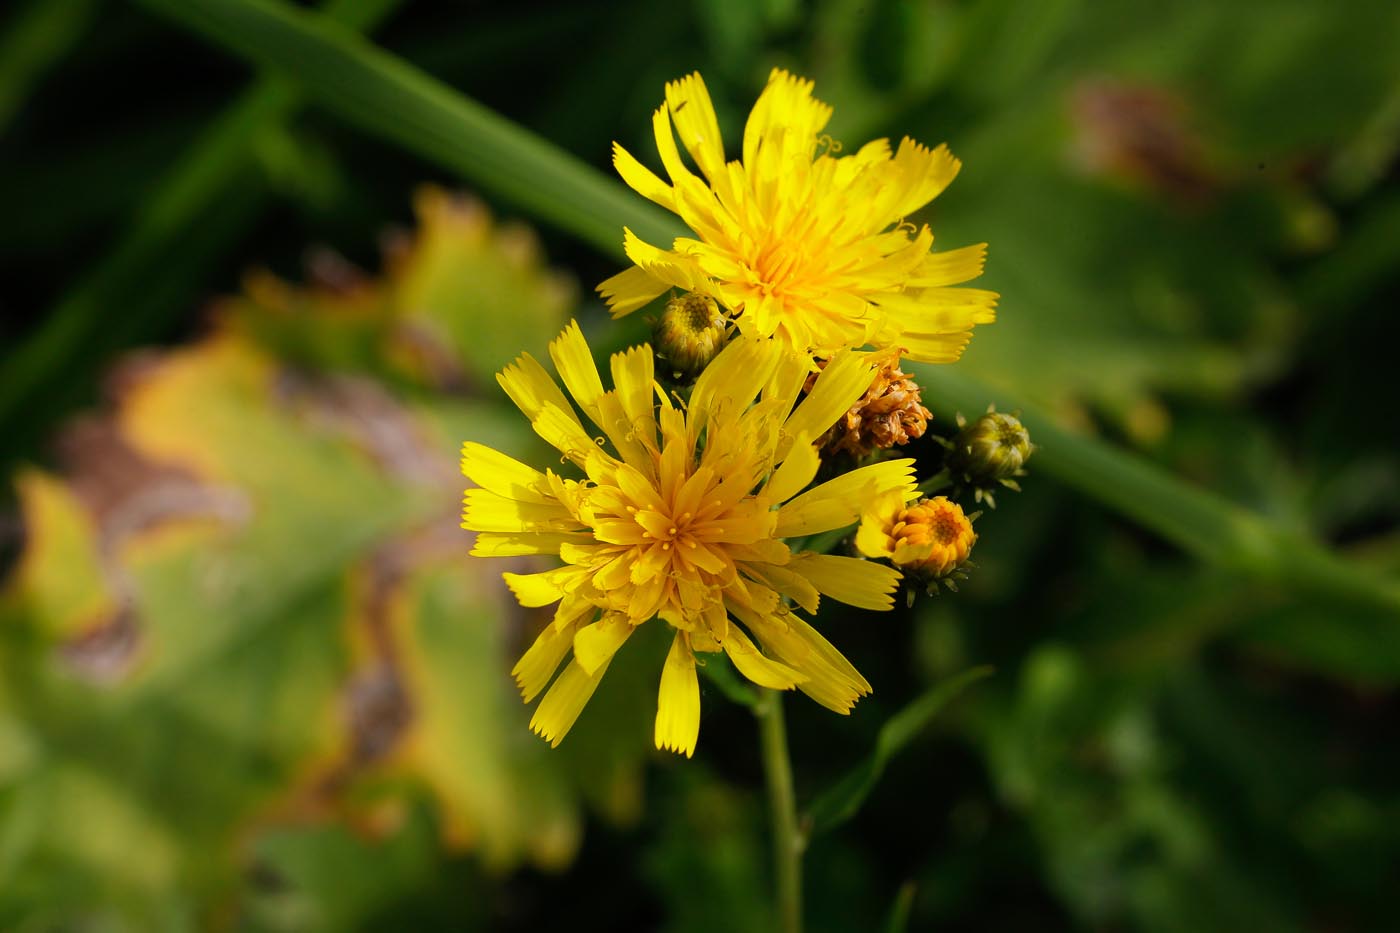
(678, 702)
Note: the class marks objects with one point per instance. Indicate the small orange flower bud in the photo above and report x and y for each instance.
(930, 538)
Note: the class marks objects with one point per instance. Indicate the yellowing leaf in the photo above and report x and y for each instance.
(499, 786)
(60, 579)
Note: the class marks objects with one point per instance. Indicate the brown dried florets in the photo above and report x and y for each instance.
(890, 413)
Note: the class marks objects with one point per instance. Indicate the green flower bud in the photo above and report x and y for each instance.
(989, 452)
(690, 333)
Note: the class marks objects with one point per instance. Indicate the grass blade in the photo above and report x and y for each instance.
(388, 97)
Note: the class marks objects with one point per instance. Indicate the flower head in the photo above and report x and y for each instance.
(889, 414)
(931, 538)
(796, 242)
(680, 514)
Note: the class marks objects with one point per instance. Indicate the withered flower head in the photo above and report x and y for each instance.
(889, 414)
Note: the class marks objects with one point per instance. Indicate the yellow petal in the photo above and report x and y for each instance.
(873, 538)
(934, 348)
(792, 585)
(940, 310)
(530, 387)
(923, 174)
(666, 266)
(757, 667)
(539, 663)
(840, 501)
(732, 379)
(825, 650)
(831, 680)
(633, 376)
(619, 429)
(519, 544)
(678, 703)
(787, 380)
(664, 134)
(783, 124)
(694, 116)
(541, 400)
(542, 589)
(486, 511)
(574, 360)
(562, 431)
(503, 475)
(949, 267)
(571, 611)
(595, 645)
(844, 380)
(850, 580)
(642, 179)
(630, 290)
(559, 709)
(796, 471)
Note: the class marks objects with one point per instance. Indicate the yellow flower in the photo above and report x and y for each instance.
(931, 537)
(796, 242)
(681, 519)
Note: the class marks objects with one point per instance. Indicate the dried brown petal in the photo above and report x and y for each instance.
(889, 414)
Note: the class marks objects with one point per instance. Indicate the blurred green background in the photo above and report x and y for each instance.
(249, 680)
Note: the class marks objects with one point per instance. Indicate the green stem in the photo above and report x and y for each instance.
(938, 481)
(789, 841)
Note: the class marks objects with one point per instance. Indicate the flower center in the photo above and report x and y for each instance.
(779, 264)
(946, 528)
(668, 531)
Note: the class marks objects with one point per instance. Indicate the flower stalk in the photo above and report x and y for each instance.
(789, 840)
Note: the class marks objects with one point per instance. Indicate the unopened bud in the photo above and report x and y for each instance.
(989, 452)
(688, 335)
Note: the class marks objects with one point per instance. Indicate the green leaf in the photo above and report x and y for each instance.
(901, 908)
(331, 878)
(249, 603)
(499, 789)
(842, 801)
(37, 38)
(459, 299)
(60, 581)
